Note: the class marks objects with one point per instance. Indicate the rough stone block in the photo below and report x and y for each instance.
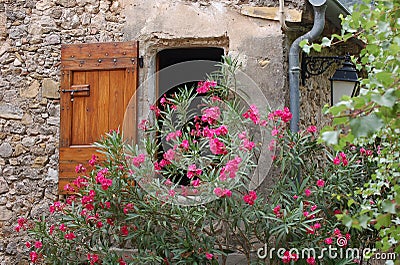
(5, 214)
(9, 111)
(50, 89)
(5, 150)
(40, 161)
(3, 186)
(32, 91)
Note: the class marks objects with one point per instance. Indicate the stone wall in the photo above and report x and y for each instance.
(31, 33)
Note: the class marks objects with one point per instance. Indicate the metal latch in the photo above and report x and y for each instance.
(78, 90)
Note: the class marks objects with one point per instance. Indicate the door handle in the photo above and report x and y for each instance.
(78, 91)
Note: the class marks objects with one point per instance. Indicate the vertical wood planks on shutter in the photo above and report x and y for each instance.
(111, 72)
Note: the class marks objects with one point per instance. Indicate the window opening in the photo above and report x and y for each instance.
(180, 68)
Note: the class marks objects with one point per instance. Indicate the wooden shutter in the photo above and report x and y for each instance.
(97, 82)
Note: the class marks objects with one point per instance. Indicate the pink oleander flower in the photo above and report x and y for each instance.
(320, 183)
(38, 244)
(171, 193)
(185, 144)
(253, 114)
(80, 169)
(124, 230)
(128, 207)
(28, 244)
(157, 166)
(93, 160)
(222, 192)
(63, 227)
(138, 160)
(204, 87)
(173, 135)
(247, 144)
(274, 131)
(209, 256)
(230, 169)
(277, 211)
(168, 182)
(70, 236)
(195, 183)
(286, 257)
(336, 160)
(193, 171)
(312, 129)
(143, 125)
(307, 192)
(317, 226)
(211, 115)
(328, 241)
(314, 207)
(169, 155)
(285, 115)
(250, 198)
(33, 256)
(92, 258)
(221, 130)
(51, 229)
(311, 261)
(156, 110)
(217, 147)
(337, 232)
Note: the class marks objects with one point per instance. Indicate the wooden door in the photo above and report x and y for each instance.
(97, 82)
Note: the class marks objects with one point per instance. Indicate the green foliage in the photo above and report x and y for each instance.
(372, 118)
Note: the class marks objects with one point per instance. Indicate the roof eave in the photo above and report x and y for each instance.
(333, 10)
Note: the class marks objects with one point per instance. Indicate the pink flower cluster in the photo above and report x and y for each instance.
(93, 160)
(57, 206)
(341, 158)
(250, 197)
(285, 115)
(253, 114)
(93, 258)
(210, 133)
(312, 129)
(247, 144)
(217, 147)
(102, 180)
(138, 160)
(211, 115)
(21, 224)
(222, 192)
(288, 257)
(366, 152)
(230, 169)
(80, 169)
(193, 171)
(173, 135)
(277, 211)
(204, 87)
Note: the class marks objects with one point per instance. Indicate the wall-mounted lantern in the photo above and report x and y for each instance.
(343, 82)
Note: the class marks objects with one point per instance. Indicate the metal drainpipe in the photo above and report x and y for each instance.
(319, 7)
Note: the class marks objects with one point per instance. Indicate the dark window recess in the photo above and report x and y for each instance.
(184, 67)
